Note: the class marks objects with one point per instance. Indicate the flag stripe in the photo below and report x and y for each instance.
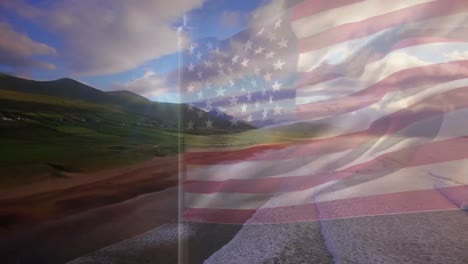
(375, 24)
(394, 203)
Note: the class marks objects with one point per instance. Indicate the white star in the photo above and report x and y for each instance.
(248, 45)
(200, 114)
(245, 63)
(209, 45)
(230, 69)
(270, 55)
(220, 111)
(220, 64)
(257, 70)
(199, 74)
(209, 124)
(199, 55)
(264, 113)
(259, 50)
(271, 36)
(267, 77)
(190, 125)
(208, 84)
(278, 109)
(192, 48)
(276, 86)
(249, 96)
(254, 83)
(243, 90)
(283, 43)
(249, 118)
(221, 72)
(208, 105)
(257, 104)
(191, 67)
(235, 58)
(217, 50)
(278, 23)
(200, 94)
(233, 122)
(244, 108)
(271, 99)
(260, 32)
(190, 88)
(220, 91)
(279, 65)
(264, 91)
(190, 106)
(231, 83)
(233, 100)
(208, 63)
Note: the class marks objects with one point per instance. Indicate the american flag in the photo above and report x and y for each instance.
(386, 83)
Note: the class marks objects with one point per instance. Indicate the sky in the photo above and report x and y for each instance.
(115, 44)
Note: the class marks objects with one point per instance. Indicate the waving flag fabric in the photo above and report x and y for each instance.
(386, 83)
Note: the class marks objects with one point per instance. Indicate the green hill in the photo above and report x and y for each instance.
(49, 128)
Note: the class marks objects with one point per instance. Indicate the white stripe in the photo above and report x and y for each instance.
(339, 125)
(356, 12)
(399, 60)
(403, 180)
(338, 53)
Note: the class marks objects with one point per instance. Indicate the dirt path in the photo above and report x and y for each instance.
(55, 199)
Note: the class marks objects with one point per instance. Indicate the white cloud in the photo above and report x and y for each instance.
(110, 36)
(149, 85)
(17, 50)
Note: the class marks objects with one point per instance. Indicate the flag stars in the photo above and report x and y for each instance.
(190, 88)
(278, 23)
(245, 63)
(278, 109)
(231, 83)
(271, 36)
(190, 106)
(257, 104)
(199, 74)
(233, 100)
(200, 114)
(244, 108)
(220, 91)
(209, 45)
(278, 65)
(208, 64)
(235, 59)
(249, 118)
(200, 94)
(208, 84)
(233, 122)
(199, 55)
(209, 124)
(249, 96)
(257, 70)
(264, 113)
(276, 86)
(191, 48)
(190, 125)
(270, 101)
(260, 32)
(270, 55)
(283, 43)
(267, 77)
(259, 50)
(191, 67)
(248, 45)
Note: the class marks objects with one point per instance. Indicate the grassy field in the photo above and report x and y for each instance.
(44, 137)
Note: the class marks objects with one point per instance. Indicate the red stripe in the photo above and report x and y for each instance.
(405, 79)
(429, 107)
(311, 7)
(434, 152)
(394, 203)
(375, 24)
(327, 72)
